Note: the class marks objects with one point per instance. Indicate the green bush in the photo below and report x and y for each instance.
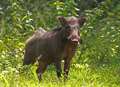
(97, 59)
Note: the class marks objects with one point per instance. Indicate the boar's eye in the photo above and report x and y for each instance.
(67, 27)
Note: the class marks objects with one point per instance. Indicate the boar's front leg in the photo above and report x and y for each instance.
(69, 53)
(58, 68)
(41, 68)
(66, 66)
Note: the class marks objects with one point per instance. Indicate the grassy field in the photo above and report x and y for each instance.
(81, 75)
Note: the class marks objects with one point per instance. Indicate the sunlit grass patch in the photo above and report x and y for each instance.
(80, 75)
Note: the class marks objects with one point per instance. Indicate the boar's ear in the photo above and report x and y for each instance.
(62, 20)
(81, 21)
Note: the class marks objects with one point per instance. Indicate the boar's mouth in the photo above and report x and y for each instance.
(74, 40)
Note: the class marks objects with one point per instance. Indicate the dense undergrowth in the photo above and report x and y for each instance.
(97, 61)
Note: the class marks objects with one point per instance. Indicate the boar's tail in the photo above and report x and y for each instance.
(28, 59)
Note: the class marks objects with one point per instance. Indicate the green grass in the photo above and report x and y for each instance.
(80, 76)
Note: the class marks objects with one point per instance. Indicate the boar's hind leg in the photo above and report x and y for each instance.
(41, 68)
(58, 68)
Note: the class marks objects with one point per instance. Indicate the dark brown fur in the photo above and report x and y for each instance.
(54, 46)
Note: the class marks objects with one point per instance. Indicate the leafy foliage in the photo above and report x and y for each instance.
(97, 60)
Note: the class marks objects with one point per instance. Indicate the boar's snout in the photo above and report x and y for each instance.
(75, 39)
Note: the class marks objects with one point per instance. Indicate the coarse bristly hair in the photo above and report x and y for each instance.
(53, 46)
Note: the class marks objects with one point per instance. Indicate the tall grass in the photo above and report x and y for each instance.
(81, 75)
